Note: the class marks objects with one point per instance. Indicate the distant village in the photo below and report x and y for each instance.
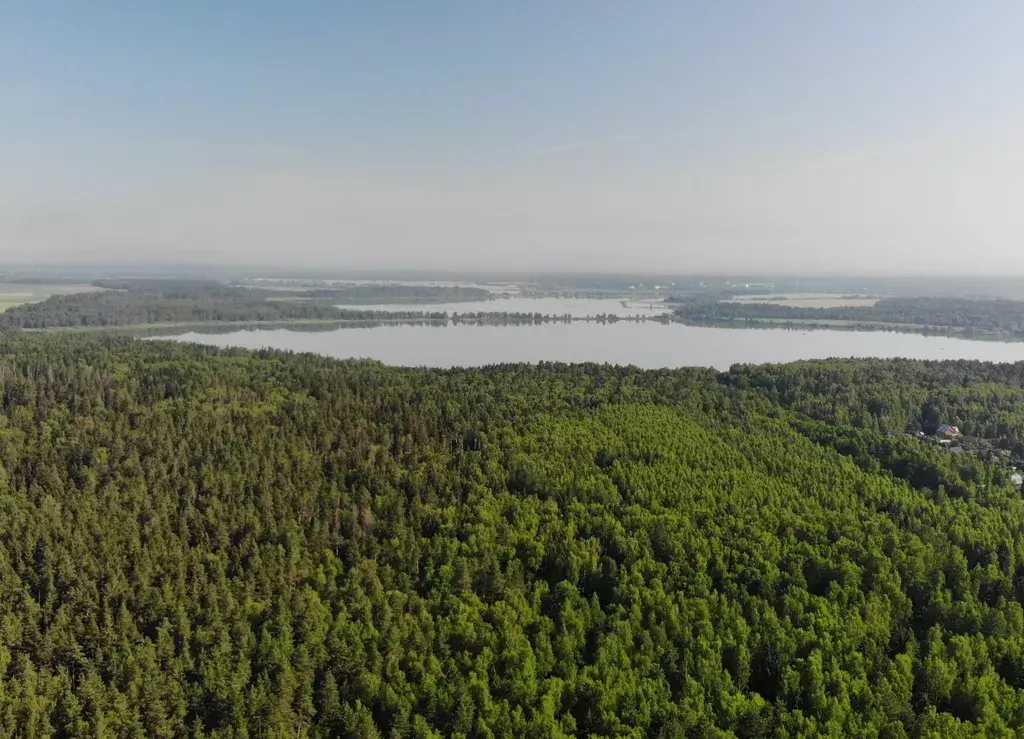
(952, 440)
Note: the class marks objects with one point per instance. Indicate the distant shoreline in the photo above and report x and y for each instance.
(319, 322)
(826, 325)
(526, 320)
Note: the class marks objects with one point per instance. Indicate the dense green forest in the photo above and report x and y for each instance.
(218, 543)
(1004, 317)
(362, 314)
(174, 303)
(155, 301)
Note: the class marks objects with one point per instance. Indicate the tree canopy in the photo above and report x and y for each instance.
(963, 315)
(212, 543)
(156, 301)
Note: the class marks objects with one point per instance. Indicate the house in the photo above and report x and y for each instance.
(1017, 479)
(947, 430)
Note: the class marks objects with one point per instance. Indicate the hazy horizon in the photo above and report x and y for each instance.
(732, 138)
(226, 270)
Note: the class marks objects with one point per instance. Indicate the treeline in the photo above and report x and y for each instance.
(893, 396)
(171, 303)
(982, 315)
(214, 543)
(354, 314)
(156, 301)
(525, 317)
(509, 317)
(502, 317)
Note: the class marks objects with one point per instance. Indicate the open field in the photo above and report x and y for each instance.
(13, 294)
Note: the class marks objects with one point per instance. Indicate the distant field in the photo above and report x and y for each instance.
(14, 294)
(810, 300)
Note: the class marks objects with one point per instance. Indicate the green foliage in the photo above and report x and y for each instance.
(155, 301)
(216, 543)
(990, 315)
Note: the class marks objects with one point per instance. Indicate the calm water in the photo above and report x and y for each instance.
(576, 307)
(648, 344)
(808, 300)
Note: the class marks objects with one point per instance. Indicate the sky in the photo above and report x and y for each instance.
(688, 137)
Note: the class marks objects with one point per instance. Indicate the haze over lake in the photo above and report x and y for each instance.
(649, 345)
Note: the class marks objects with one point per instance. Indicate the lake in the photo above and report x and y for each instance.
(809, 300)
(648, 344)
(576, 307)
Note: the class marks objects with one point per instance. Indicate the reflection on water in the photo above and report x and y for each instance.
(213, 329)
(647, 344)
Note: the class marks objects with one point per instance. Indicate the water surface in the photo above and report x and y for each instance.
(649, 344)
(809, 300)
(576, 307)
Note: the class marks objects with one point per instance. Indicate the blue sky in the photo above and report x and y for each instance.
(658, 135)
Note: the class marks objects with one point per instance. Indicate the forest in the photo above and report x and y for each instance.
(396, 293)
(156, 301)
(965, 315)
(220, 543)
